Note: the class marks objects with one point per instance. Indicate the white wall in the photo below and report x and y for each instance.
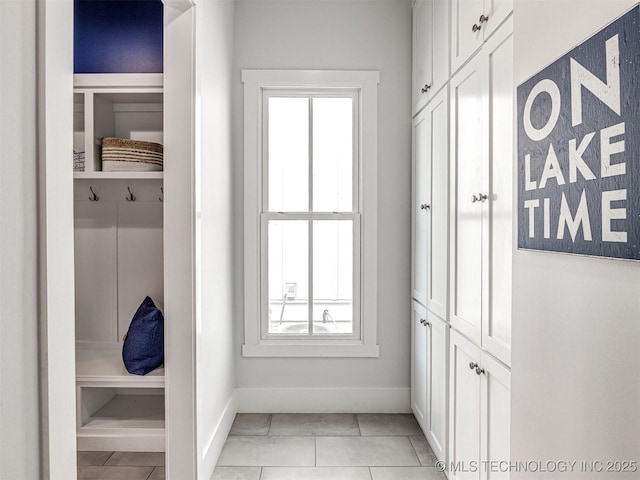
(576, 320)
(215, 367)
(354, 35)
(19, 373)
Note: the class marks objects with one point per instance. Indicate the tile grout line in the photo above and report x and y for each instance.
(358, 423)
(414, 450)
(108, 458)
(315, 452)
(270, 424)
(370, 473)
(261, 470)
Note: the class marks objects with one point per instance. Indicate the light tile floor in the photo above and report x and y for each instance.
(121, 466)
(295, 447)
(326, 447)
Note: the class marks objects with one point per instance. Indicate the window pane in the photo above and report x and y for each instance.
(288, 148)
(332, 277)
(288, 267)
(332, 154)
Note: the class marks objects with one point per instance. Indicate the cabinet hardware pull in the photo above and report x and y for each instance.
(93, 197)
(483, 19)
(480, 371)
(426, 88)
(475, 28)
(474, 199)
(481, 197)
(427, 324)
(425, 206)
(473, 365)
(131, 197)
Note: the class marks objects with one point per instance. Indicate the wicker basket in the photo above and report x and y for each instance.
(124, 155)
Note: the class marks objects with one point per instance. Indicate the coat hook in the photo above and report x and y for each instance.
(130, 197)
(93, 197)
(161, 197)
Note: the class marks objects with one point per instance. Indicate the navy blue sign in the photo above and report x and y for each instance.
(579, 148)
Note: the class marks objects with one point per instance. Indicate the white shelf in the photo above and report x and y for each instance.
(105, 368)
(129, 411)
(118, 175)
(117, 80)
(125, 423)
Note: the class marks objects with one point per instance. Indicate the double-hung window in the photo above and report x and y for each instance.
(310, 213)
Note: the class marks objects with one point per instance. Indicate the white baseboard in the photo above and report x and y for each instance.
(324, 400)
(218, 437)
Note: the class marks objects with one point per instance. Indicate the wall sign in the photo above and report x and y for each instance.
(579, 148)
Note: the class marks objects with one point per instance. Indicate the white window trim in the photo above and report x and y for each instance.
(366, 83)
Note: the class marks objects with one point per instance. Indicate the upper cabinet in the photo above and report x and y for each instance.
(481, 196)
(472, 23)
(430, 50)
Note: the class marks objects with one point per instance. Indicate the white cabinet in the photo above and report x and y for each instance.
(119, 259)
(479, 411)
(481, 196)
(419, 364)
(430, 205)
(472, 23)
(430, 347)
(430, 49)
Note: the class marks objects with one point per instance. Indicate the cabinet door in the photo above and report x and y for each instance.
(497, 11)
(420, 207)
(464, 407)
(465, 39)
(422, 52)
(437, 383)
(496, 410)
(496, 322)
(438, 213)
(468, 159)
(440, 55)
(419, 334)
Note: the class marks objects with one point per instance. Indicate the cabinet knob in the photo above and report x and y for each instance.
(425, 89)
(483, 19)
(473, 365)
(480, 371)
(481, 197)
(427, 324)
(425, 206)
(475, 28)
(423, 321)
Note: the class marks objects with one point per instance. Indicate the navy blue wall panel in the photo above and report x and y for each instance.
(118, 36)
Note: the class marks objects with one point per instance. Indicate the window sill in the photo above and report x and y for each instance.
(311, 351)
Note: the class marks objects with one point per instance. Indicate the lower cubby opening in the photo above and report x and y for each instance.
(123, 419)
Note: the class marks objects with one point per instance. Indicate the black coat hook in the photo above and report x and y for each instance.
(161, 197)
(93, 197)
(131, 197)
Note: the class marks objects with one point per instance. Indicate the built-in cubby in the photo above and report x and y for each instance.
(116, 105)
(119, 260)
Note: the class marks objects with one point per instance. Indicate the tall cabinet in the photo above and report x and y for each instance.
(462, 230)
(430, 212)
(119, 260)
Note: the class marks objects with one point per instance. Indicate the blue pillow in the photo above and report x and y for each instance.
(143, 348)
